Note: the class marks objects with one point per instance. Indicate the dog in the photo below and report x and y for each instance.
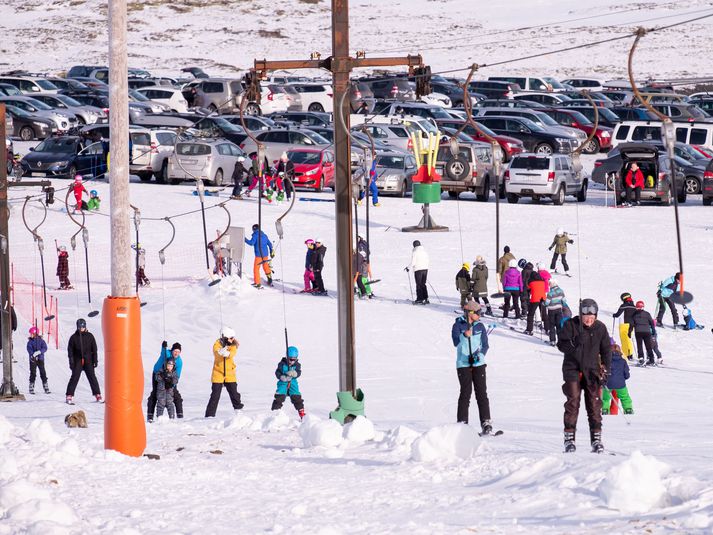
(76, 419)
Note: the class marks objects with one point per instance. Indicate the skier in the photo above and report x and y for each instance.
(78, 190)
(689, 324)
(504, 263)
(285, 170)
(159, 366)
(94, 202)
(238, 177)
(262, 247)
(665, 291)
(255, 177)
(82, 352)
(527, 269)
(463, 284)
(512, 286)
(642, 324)
(309, 274)
(224, 350)
(554, 303)
(634, 184)
(584, 340)
(538, 293)
(361, 278)
(36, 349)
(141, 278)
(559, 243)
(544, 274)
(373, 189)
(479, 279)
(287, 372)
(317, 267)
(617, 382)
(166, 381)
(63, 268)
(470, 338)
(627, 308)
(419, 264)
(363, 248)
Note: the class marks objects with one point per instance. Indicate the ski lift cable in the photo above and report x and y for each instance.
(40, 247)
(85, 238)
(162, 259)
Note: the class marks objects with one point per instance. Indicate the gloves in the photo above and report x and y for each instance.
(224, 352)
(284, 379)
(292, 373)
(272, 254)
(36, 354)
(570, 241)
(164, 344)
(549, 248)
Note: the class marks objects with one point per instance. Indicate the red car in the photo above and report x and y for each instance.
(314, 168)
(509, 145)
(575, 119)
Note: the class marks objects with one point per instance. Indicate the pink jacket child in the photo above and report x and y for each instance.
(79, 190)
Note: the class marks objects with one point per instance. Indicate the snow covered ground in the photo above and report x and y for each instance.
(409, 467)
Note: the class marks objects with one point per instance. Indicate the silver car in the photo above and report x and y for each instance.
(210, 160)
(394, 172)
(64, 121)
(281, 140)
(85, 114)
(539, 176)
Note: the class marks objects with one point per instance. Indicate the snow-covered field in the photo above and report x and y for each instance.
(409, 467)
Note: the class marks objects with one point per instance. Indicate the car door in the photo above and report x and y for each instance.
(518, 130)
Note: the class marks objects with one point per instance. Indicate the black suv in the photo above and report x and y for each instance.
(535, 138)
(391, 87)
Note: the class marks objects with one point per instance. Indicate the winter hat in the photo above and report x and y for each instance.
(522, 263)
(553, 283)
(640, 305)
(77, 178)
(33, 330)
(466, 266)
(176, 346)
(560, 231)
(309, 241)
(615, 348)
(283, 157)
(588, 307)
(62, 248)
(626, 296)
(513, 263)
(256, 226)
(472, 306)
(81, 323)
(227, 332)
(479, 260)
(318, 240)
(171, 361)
(506, 249)
(416, 243)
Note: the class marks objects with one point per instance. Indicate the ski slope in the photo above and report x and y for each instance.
(408, 467)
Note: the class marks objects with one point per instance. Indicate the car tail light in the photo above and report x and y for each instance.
(409, 145)
(330, 95)
(242, 145)
(270, 96)
(551, 176)
(598, 163)
(507, 175)
(708, 174)
(106, 111)
(154, 148)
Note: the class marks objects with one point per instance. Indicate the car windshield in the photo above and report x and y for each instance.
(46, 85)
(69, 101)
(227, 126)
(390, 162)
(304, 157)
(546, 119)
(138, 96)
(314, 136)
(609, 115)
(580, 118)
(14, 110)
(531, 124)
(530, 162)
(697, 112)
(37, 104)
(57, 145)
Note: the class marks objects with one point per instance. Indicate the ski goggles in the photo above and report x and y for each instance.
(589, 310)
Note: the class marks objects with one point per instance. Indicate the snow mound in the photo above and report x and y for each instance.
(400, 437)
(274, 421)
(6, 429)
(41, 431)
(43, 510)
(697, 521)
(8, 466)
(231, 284)
(317, 432)
(452, 441)
(359, 430)
(19, 492)
(239, 421)
(635, 485)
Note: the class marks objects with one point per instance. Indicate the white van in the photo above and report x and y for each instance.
(692, 133)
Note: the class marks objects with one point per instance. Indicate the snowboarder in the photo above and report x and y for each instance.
(642, 324)
(559, 243)
(554, 304)
(309, 274)
(224, 350)
(78, 189)
(479, 279)
(141, 278)
(63, 268)
(689, 324)
(285, 170)
(617, 382)
(504, 264)
(470, 338)
(512, 286)
(287, 372)
(419, 264)
(463, 284)
(665, 291)
(538, 293)
(634, 184)
(94, 202)
(262, 247)
(317, 267)
(166, 381)
(238, 177)
(36, 349)
(82, 352)
(627, 308)
(175, 353)
(584, 340)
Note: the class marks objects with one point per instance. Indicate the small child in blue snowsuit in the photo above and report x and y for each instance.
(617, 381)
(287, 372)
(166, 381)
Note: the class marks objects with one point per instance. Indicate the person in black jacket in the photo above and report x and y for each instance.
(642, 324)
(317, 266)
(82, 352)
(627, 308)
(584, 340)
(13, 323)
(239, 174)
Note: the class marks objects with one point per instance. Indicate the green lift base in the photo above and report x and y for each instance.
(350, 406)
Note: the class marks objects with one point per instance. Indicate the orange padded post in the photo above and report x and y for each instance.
(124, 428)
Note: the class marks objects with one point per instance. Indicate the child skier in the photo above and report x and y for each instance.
(617, 382)
(159, 366)
(642, 324)
(141, 278)
(63, 268)
(554, 303)
(309, 274)
(94, 202)
(689, 324)
(559, 243)
(79, 189)
(166, 381)
(287, 372)
(463, 284)
(512, 285)
(361, 274)
(36, 349)
(224, 374)
(479, 280)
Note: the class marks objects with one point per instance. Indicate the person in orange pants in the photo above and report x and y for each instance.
(262, 247)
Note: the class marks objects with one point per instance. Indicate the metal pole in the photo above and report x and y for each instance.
(201, 192)
(341, 66)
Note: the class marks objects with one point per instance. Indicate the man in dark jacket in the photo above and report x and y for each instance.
(584, 340)
(527, 269)
(317, 266)
(82, 352)
(627, 308)
(239, 174)
(642, 324)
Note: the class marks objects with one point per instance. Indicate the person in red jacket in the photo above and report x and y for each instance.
(634, 185)
(538, 294)
(79, 190)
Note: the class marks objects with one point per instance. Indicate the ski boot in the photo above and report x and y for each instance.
(659, 361)
(605, 412)
(597, 446)
(149, 418)
(301, 412)
(529, 333)
(651, 362)
(569, 446)
(280, 196)
(628, 411)
(69, 400)
(99, 398)
(642, 362)
(488, 311)
(487, 427)
(377, 204)
(46, 387)
(269, 280)
(32, 388)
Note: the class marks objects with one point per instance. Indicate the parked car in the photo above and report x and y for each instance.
(221, 94)
(140, 147)
(63, 121)
(211, 160)
(397, 136)
(314, 168)
(168, 96)
(315, 96)
(538, 117)
(29, 126)
(214, 126)
(82, 71)
(162, 143)
(419, 109)
(361, 96)
(65, 157)
(395, 88)
(509, 145)
(549, 99)
(606, 117)
(435, 98)
(452, 91)
(303, 118)
(493, 89)
(9, 90)
(540, 175)
(690, 133)
(254, 123)
(574, 119)
(508, 103)
(534, 137)
(29, 85)
(281, 140)
(394, 172)
(68, 84)
(682, 112)
(526, 83)
(85, 114)
(590, 84)
(472, 170)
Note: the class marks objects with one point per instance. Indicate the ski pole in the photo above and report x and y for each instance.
(434, 292)
(408, 276)
(621, 407)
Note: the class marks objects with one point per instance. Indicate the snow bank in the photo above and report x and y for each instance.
(6, 429)
(452, 441)
(401, 437)
(359, 430)
(317, 432)
(43, 510)
(40, 431)
(634, 486)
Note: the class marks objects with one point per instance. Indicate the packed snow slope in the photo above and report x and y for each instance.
(222, 37)
(409, 467)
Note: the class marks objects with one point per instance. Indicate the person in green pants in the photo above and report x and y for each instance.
(617, 382)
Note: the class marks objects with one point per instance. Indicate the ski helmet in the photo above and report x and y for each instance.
(256, 226)
(318, 240)
(626, 296)
(640, 305)
(588, 307)
(466, 266)
(94, 193)
(81, 323)
(227, 332)
(292, 352)
(521, 263)
(34, 330)
(416, 243)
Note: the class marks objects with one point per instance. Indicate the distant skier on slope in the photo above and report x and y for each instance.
(559, 243)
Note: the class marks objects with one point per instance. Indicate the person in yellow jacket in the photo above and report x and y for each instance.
(224, 350)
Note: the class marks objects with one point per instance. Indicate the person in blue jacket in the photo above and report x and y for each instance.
(262, 246)
(36, 349)
(287, 372)
(617, 382)
(470, 338)
(160, 365)
(664, 293)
